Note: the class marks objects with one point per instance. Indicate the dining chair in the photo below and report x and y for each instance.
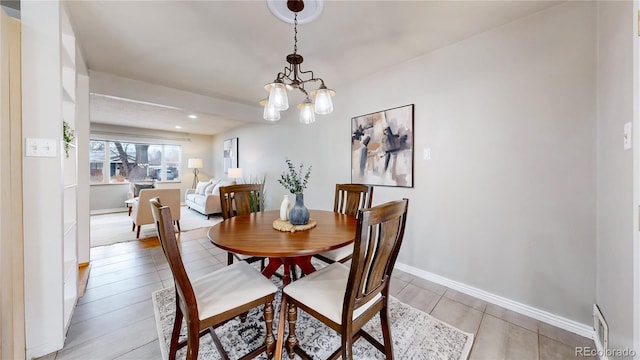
(242, 199)
(346, 298)
(214, 299)
(349, 198)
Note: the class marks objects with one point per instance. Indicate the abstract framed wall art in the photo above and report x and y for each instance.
(230, 147)
(382, 147)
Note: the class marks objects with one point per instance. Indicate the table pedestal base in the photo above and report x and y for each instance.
(303, 262)
(290, 263)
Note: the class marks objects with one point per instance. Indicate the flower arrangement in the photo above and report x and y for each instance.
(293, 180)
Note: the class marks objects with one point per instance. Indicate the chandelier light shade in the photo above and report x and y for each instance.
(270, 113)
(293, 77)
(278, 96)
(307, 115)
(323, 105)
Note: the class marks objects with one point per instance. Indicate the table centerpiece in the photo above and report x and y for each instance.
(294, 181)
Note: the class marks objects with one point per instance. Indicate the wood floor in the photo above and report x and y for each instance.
(114, 319)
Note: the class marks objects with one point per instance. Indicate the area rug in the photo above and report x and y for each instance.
(107, 229)
(416, 334)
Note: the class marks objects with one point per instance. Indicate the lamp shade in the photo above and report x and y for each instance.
(270, 113)
(307, 115)
(235, 172)
(278, 96)
(323, 105)
(194, 164)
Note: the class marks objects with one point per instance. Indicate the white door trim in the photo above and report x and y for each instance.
(636, 179)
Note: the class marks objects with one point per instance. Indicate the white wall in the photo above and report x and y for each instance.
(614, 287)
(112, 196)
(263, 149)
(507, 204)
(41, 118)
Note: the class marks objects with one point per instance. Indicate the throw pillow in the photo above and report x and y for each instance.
(201, 186)
(209, 189)
(216, 189)
(138, 187)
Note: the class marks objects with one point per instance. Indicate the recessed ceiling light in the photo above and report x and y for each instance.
(192, 116)
(178, 127)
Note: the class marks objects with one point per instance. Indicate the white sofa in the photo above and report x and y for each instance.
(205, 198)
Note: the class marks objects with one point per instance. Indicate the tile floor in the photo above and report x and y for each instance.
(115, 320)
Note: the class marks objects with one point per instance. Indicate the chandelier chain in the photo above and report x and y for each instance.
(295, 33)
(291, 77)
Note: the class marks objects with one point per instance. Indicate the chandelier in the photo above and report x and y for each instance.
(291, 78)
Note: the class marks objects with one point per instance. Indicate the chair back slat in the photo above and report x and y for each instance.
(241, 199)
(167, 237)
(379, 235)
(387, 235)
(349, 198)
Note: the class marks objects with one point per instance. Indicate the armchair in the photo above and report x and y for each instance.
(141, 209)
(135, 187)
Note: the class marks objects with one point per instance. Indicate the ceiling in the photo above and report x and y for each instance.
(229, 49)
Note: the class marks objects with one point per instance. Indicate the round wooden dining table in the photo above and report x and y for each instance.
(254, 235)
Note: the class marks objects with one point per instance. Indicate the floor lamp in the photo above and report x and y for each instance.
(195, 164)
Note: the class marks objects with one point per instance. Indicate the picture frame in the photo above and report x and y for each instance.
(382, 147)
(230, 154)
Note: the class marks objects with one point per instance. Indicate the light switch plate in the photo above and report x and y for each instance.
(427, 153)
(40, 147)
(627, 136)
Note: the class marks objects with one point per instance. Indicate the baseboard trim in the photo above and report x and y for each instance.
(107, 211)
(541, 315)
(600, 349)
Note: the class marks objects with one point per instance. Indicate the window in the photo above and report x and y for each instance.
(128, 162)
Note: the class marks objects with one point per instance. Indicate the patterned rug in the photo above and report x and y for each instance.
(416, 334)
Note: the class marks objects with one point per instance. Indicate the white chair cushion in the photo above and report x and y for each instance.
(229, 287)
(324, 290)
(339, 253)
(191, 197)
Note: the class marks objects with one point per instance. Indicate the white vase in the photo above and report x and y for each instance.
(285, 207)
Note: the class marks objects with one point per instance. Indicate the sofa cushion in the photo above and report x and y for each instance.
(191, 197)
(200, 199)
(201, 186)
